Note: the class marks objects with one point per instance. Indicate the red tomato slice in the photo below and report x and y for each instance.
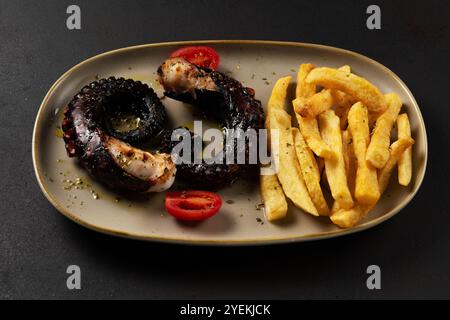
(192, 205)
(201, 56)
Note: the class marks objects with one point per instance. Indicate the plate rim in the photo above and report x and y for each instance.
(37, 165)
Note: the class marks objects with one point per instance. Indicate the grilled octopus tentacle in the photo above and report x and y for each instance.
(104, 151)
(220, 97)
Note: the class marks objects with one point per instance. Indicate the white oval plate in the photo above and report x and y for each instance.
(257, 64)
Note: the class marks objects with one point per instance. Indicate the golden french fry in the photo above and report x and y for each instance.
(308, 103)
(358, 87)
(314, 105)
(346, 68)
(350, 169)
(341, 98)
(310, 131)
(304, 89)
(350, 217)
(366, 186)
(343, 103)
(289, 171)
(335, 168)
(275, 205)
(349, 160)
(310, 171)
(277, 99)
(308, 126)
(405, 161)
(396, 151)
(378, 150)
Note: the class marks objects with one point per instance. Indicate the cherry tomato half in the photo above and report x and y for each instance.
(192, 205)
(201, 56)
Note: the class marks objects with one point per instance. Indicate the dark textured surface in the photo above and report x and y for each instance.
(87, 128)
(37, 244)
(232, 106)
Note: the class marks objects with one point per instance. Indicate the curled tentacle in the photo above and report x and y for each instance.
(104, 151)
(218, 96)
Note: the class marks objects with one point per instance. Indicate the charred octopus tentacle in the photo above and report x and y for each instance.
(220, 97)
(89, 134)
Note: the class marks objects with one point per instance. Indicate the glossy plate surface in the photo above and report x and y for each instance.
(257, 64)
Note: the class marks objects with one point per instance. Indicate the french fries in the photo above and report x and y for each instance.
(308, 126)
(289, 171)
(358, 87)
(350, 217)
(366, 186)
(335, 168)
(332, 146)
(275, 205)
(314, 105)
(310, 131)
(346, 68)
(405, 161)
(343, 103)
(303, 89)
(311, 173)
(378, 150)
(277, 98)
(349, 160)
(396, 151)
(350, 167)
(310, 104)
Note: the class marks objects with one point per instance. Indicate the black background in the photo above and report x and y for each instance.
(37, 244)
